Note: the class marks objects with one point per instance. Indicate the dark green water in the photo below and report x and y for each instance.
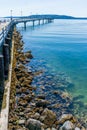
(61, 49)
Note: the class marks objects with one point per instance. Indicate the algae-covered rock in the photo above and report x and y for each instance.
(33, 124)
(48, 117)
(42, 103)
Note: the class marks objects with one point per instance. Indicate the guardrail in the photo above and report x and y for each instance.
(4, 32)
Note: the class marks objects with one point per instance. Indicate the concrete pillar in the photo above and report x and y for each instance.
(6, 58)
(33, 23)
(39, 22)
(25, 25)
(1, 74)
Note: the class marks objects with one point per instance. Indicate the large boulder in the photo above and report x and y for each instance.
(66, 117)
(68, 125)
(33, 124)
(48, 117)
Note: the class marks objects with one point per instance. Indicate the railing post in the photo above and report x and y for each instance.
(2, 77)
(3, 32)
(6, 58)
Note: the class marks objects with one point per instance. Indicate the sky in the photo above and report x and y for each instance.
(76, 8)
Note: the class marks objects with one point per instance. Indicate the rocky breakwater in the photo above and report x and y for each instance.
(29, 111)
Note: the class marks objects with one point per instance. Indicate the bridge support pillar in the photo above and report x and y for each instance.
(2, 74)
(39, 22)
(33, 23)
(6, 58)
(24, 25)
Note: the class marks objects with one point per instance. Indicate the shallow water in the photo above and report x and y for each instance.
(60, 49)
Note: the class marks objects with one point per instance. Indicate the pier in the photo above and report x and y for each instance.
(33, 20)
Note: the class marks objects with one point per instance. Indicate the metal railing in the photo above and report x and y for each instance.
(4, 32)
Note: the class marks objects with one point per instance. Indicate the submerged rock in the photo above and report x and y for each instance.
(41, 96)
(42, 103)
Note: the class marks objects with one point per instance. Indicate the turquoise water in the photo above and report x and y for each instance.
(61, 47)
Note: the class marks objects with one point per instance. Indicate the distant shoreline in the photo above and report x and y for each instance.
(51, 16)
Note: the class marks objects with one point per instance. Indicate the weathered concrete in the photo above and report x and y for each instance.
(5, 111)
(1, 73)
(6, 58)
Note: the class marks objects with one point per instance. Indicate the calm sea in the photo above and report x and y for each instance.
(60, 49)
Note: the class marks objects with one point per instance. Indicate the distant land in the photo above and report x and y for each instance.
(48, 15)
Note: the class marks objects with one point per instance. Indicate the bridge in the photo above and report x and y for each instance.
(6, 43)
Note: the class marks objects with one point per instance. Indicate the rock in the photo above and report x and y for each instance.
(48, 129)
(28, 55)
(48, 117)
(38, 73)
(23, 103)
(64, 118)
(42, 103)
(33, 124)
(21, 114)
(21, 122)
(65, 95)
(56, 105)
(68, 125)
(77, 128)
(28, 98)
(83, 128)
(56, 93)
(26, 82)
(41, 96)
(36, 116)
(27, 110)
(42, 87)
(53, 129)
